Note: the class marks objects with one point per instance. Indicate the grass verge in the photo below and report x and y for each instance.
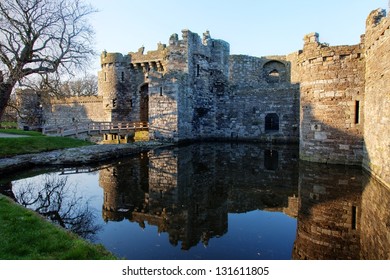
(36, 144)
(21, 132)
(26, 235)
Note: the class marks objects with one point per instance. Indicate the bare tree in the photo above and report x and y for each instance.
(85, 86)
(42, 37)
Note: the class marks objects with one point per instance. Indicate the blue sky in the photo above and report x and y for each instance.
(251, 27)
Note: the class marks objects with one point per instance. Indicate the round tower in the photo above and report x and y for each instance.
(331, 101)
(113, 86)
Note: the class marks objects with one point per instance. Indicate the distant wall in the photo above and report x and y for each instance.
(377, 101)
(72, 110)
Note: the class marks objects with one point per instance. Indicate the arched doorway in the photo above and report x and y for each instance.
(144, 102)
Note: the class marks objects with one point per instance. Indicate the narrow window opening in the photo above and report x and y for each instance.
(161, 91)
(272, 122)
(105, 76)
(357, 112)
(354, 217)
(123, 76)
(197, 70)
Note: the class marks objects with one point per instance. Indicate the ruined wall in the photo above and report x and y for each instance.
(332, 97)
(377, 100)
(73, 110)
(261, 103)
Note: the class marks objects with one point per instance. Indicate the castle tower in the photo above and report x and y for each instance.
(377, 100)
(331, 102)
(113, 85)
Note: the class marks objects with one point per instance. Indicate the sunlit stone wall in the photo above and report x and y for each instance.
(377, 101)
(331, 82)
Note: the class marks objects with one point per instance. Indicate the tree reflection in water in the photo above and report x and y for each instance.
(57, 200)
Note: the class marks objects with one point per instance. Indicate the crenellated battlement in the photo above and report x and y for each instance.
(107, 59)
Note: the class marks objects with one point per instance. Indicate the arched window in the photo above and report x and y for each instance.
(272, 122)
(274, 72)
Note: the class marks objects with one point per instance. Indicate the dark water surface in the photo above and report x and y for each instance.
(216, 201)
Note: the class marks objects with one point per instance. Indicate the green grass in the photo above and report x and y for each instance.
(21, 132)
(36, 144)
(26, 235)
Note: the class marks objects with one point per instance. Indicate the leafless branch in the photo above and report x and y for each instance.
(42, 37)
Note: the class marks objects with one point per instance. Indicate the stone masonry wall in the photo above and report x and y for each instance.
(258, 88)
(332, 101)
(377, 100)
(73, 110)
(114, 88)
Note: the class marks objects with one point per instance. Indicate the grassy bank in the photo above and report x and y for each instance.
(26, 235)
(35, 143)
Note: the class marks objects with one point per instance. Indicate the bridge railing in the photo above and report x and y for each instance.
(93, 127)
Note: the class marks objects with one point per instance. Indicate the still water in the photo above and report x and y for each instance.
(216, 201)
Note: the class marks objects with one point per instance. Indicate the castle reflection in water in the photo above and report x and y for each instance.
(188, 193)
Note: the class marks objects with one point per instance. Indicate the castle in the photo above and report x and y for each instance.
(333, 100)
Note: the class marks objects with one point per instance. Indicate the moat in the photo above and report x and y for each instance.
(215, 201)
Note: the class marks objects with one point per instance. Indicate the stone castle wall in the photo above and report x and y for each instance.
(331, 83)
(377, 96)
(259, 88)
(71, 110)
(332, 99)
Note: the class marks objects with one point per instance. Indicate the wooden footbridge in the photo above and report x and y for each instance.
(96, 128)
